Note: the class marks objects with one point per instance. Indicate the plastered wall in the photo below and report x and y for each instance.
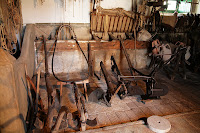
(109, 4)
(56, 11)
(71, 11)
(65, 11)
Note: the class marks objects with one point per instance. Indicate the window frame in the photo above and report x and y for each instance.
(178, 2)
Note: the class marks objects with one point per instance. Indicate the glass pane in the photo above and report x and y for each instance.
(184, 7)
(171, 5)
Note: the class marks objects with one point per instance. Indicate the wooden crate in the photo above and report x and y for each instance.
(113, 22)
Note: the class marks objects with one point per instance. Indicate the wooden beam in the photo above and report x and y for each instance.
(66, 45)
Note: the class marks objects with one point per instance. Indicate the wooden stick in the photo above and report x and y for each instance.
(38, 90)
(85, 88)
(29, 90)
(34, 88)
(61, 85)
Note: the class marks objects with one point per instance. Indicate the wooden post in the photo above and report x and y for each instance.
(38, 89)
(90, 67)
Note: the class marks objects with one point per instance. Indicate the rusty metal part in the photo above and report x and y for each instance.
(64, 110)
(127, 58)
(108, 79)
(81, 109)
(111, 89)
(35, 90)
(177, 61)
(153, 89)
(123, 91)
(49, 92)
(87, 60)
(33, 111)
(81, 113)
(96, 95)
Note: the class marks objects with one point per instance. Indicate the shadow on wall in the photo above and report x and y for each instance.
(58, 2)
(7, 123)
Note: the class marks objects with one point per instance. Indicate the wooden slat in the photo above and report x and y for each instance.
(119, 24)
(139, 113)
(181, 107)
(115, 24)
(130, 26)
(136, 22)
(134, 25)
(132, 105)
(122, 116)
(113, 118)
(91, 22)
(180, 125)
(103, 120)
(99, 19)
(123, 24)
(94, 22)
(102, 23)
(194, 119)
(131, 115)
(127, 24)
(166, 109)
(106, 23)
(111, 23)
(155, 110)
(147, 111)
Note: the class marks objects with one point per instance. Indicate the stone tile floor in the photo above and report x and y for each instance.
(183, 96)
(180, 123)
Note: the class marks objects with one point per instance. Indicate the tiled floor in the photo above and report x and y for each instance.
(183, 96)
(180, 123)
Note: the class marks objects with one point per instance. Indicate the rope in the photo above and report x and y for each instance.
(11, 19)
(74, 37)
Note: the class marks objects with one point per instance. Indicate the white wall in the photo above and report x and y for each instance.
(108, 4)
(76, 11)
(197, 9)
(53, 11)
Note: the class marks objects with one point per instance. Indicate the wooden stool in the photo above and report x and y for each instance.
(84, 82)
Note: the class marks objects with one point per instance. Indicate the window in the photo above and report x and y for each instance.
(181, 6)
(184, 7)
